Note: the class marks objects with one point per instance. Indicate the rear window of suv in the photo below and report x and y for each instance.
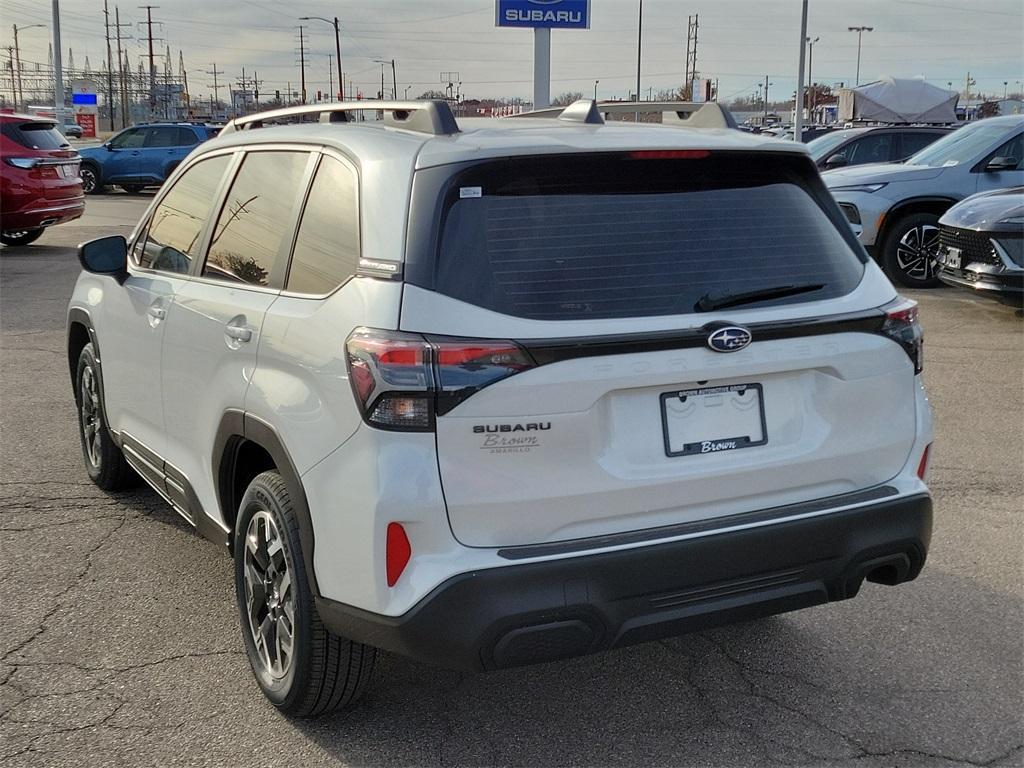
(634, 234)
(34, 135)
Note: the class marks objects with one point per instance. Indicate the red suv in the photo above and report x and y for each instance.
(39, 181)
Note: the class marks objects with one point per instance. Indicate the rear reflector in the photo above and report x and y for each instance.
(397, 553)
(922, 467)
(669, 154)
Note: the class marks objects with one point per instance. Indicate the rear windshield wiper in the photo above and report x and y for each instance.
(709, 301)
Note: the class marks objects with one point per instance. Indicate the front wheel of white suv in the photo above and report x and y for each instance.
(301, 667)
(104, 461)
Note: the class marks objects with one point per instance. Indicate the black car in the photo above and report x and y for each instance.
(981, 245)
(879, 144)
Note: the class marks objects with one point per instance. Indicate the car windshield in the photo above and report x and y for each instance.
(822, 145)
(963, 146)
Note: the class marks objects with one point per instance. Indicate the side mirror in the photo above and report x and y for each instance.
(108, 147)
(105, 256)
(837, 161)
(1002, 164)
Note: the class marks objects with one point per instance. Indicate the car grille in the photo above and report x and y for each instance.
(973, 246)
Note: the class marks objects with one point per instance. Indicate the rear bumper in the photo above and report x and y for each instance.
(1007, 287)
(541, 611)
(44, 213)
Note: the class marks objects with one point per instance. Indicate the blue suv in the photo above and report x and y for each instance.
(141, 156)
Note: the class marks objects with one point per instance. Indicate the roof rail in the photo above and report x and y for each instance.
(690, 114)
(433, 117)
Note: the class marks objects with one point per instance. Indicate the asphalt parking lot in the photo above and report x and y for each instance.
(119, 643)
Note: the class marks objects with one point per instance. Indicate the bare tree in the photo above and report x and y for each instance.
(564, 99)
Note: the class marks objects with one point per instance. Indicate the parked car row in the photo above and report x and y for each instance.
(894, 209)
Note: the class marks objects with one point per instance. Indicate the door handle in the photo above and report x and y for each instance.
(156, 312)
(238, 333)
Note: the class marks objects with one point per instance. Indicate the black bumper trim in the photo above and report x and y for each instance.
(698, 526)
(541, 611)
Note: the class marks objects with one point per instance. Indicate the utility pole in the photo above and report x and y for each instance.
(58, 70)
(330, 74)
(766, 84)
(216, 86)
(184, 81)
(19, 95)
(123, 86)
(691, 56)
(394, 82)
(860, 31)
(798, 117)
(302, 62)
(639, 50)
(256, 90)
(152, 65)
(110, 66)
(810, 79)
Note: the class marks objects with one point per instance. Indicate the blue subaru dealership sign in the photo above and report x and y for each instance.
(550, 14)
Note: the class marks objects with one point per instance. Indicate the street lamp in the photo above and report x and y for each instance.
(810, 79)
(394, 77)
(337, 47)
(860, 31)
(20, 97)
(1005, 84)
(595, 89)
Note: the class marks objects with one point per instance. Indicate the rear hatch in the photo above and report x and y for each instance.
(44, 155)
(632, 396)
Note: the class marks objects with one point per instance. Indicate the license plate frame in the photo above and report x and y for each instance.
(953, 258)
(712, 444)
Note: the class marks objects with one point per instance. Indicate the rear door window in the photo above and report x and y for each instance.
(34, 135)
(248, 240)
(874, 148)
(326, 250)
(178, 221)
(161, 137)
(631, 235)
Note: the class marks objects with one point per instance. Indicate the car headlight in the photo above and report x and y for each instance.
(859, 188)
(1013, 247)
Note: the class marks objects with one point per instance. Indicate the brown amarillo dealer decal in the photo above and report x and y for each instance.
(510, 438)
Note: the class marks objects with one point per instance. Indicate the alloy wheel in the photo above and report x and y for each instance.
(88, 179)
(90, 414)
(916, 251)
(269, 594)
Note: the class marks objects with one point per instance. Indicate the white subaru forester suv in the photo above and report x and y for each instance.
(488, 393)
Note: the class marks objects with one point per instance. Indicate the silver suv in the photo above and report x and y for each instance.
(490, 393)
(894, 209)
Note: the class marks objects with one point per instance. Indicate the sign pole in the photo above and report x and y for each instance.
(541, 67)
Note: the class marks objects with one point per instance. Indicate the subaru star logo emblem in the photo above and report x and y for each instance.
(729, 339)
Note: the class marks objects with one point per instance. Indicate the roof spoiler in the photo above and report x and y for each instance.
(690, 114)
(433, 117)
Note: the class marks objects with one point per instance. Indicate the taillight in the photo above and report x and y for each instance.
(24, 163)
(403, 380)
(901, 326)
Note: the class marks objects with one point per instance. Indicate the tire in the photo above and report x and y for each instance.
(21, 237)
(90, 179)
(104, 461)
(132, 189)
(323, 672)
(910, 250)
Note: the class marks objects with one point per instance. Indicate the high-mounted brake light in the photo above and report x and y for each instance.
(901, 326)
(403, 380)
(669, 154)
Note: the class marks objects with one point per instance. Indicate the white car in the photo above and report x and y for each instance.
(490, 393)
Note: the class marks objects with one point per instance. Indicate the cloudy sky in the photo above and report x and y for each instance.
(740, 41)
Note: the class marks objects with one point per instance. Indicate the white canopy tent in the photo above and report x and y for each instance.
(890, 100)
